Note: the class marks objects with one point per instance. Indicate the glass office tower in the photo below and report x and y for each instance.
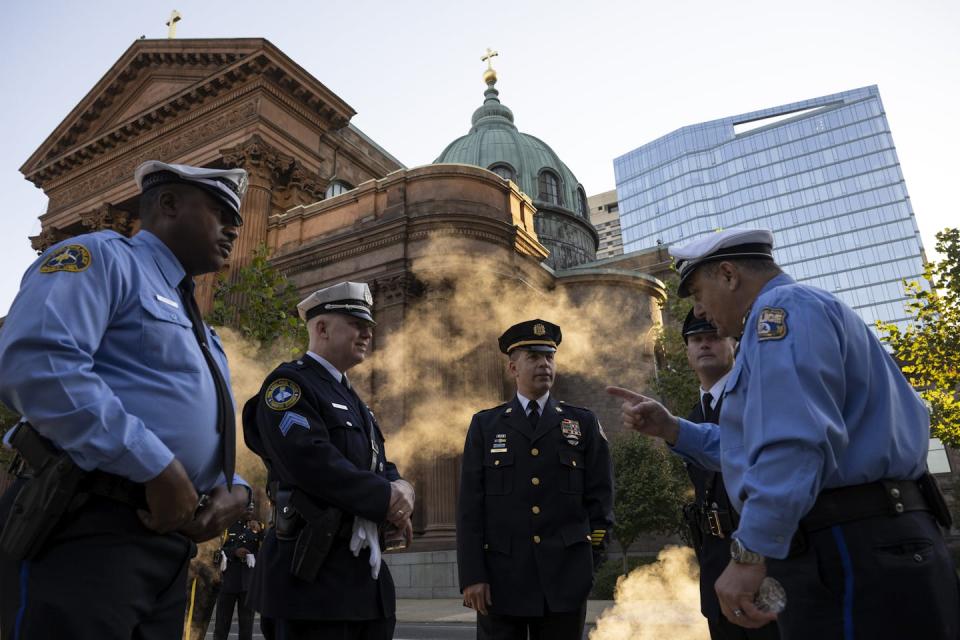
(823, 174)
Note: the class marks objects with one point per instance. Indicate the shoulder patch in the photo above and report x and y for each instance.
(72, 258)
(772, 323)
(282, 394)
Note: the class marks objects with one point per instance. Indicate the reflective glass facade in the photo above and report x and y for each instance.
(823, 174)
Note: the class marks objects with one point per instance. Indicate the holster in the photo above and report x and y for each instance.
(49, 493)
(286, 520)
(315, 537)
(691, 516)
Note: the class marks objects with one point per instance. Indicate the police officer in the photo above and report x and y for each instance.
(711, 517)
(823, 446)
(237, 557)
(105, 354)
(536, 501)
(330, 480)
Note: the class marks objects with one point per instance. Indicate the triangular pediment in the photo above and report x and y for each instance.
(152, 90)
(155, 81)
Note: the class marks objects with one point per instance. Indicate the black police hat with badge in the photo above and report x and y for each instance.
(226, 185)
(350, 298)
(532, 335)
(693, 325)
(729, 244)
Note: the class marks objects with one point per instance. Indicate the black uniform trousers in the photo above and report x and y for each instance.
(879, 578)
(225, 605)
(550, 626)
(381, 629)
(713, 554)
(101, 576)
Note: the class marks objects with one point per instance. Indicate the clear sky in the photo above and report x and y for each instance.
(592, 79)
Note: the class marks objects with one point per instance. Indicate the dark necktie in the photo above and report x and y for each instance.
(358, 404)
(708, 410)
(226, 419)
(534, 415)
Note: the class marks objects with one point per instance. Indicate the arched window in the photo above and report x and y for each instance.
(504, 170)
(549, 188)
(336, 187)
(582, 202)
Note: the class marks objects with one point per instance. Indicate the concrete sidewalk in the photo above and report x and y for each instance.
(452, 610)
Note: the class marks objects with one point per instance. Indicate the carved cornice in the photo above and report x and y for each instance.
(106, 216)
(47, 238)
(264, 162)
(165, 149)
(395, 289)
(302, 187)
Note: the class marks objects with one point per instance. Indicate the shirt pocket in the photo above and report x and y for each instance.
(498, 473)
(167, 340)
(731, 412)
(571, 471)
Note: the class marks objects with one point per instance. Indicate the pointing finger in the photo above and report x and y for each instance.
(625, 394)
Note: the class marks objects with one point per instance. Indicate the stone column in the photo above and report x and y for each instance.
(265, 165)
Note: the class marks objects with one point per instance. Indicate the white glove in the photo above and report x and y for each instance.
(251, 560)
(365, 534)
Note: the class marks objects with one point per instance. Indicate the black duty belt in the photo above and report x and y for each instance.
(861, 501)
(34, 451)
(117, 488)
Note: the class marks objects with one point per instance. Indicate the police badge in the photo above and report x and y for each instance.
(571, 431)
(772, 323)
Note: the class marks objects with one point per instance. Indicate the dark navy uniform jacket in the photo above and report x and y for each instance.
(714, 554)
(315, 435)
(528, 503)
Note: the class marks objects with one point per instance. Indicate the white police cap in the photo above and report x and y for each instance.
(227, 185)
(351, 298)
(728, 244)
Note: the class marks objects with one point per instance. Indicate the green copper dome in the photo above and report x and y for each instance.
(494, 143)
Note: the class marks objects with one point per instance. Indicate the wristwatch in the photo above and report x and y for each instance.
(741, 555)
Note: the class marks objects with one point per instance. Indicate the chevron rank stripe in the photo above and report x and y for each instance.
(289, 419)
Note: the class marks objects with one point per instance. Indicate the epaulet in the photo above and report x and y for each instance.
(567, 405)
(492, 409)
(109, 235)
(296, 365)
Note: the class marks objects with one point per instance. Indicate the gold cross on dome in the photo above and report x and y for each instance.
(488, 58)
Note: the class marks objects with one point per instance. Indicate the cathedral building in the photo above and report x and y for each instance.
(495, 231)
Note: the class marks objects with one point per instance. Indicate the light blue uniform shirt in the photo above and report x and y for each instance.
(98, 353)
(821, 406)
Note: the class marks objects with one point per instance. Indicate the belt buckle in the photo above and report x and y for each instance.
(713, 521)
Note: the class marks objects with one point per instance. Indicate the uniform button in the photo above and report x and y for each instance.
(534, 451)
(496, 463)
(898, 507)
(536, 539)
(895, 493)
(535, 509)
(589, 538)
(918, 557)
(535, 481)
(573, 462)
(486, 546)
